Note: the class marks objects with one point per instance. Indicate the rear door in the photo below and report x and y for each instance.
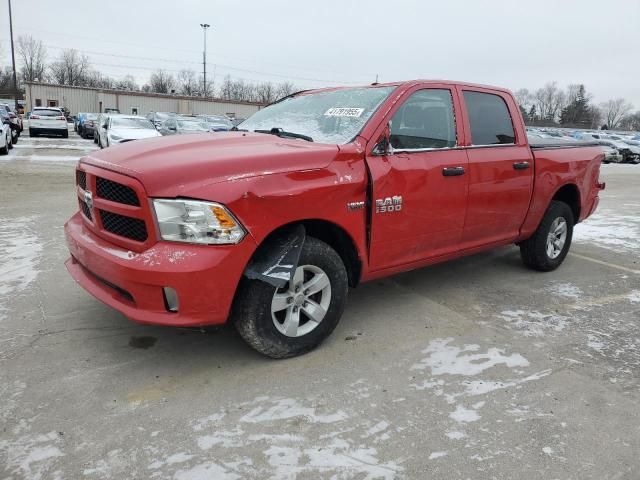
(420, 189)
(500, 167)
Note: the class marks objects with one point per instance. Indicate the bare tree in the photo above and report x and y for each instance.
(71, 68)
(32, 55)
(285, 88)
(162, 82)
(128, 82)
(265, 92)
(6, 78)
(614, 111)
(631, 122)
(524, 98)
(187, 82)
(549, 101)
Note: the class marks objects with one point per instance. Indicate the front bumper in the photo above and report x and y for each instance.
(205, 277)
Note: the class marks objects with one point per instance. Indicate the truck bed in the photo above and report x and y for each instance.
(537, 143)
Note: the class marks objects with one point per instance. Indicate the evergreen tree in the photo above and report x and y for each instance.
(577, 113)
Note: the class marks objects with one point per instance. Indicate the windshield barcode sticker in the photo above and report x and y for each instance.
(344, 112)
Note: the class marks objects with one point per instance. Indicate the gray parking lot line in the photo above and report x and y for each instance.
(602, 262)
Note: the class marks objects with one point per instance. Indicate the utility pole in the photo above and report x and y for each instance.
(13, 59)
(204, 59)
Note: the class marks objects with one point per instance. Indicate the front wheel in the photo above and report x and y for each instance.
(549, 245)
(289, 321)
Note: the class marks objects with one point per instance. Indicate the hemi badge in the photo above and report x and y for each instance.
(351, 206)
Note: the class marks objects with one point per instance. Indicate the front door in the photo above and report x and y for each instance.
(420, 189)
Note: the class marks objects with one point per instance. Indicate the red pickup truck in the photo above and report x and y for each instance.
(271, 224)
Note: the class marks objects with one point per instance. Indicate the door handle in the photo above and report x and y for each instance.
(452, 171)
(521, 165)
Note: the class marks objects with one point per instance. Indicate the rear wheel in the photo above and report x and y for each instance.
(65, 134)
(5, 149)
(289, 321)
(549, 245)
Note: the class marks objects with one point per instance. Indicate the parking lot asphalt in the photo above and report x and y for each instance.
(476, 368)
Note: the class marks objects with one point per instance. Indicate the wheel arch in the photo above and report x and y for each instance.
(332, 234)
(569, 194)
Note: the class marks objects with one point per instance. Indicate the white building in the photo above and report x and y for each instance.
(87, 99)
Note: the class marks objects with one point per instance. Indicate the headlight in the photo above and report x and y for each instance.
(197, 222)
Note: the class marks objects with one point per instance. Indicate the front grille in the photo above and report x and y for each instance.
(81, 179)
(123, 226)
(116, 192)
(85, 210)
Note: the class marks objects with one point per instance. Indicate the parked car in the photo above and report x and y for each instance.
(6, 136)
(611, 155)
(339, 186)
(16, 121)
(49, 121)
(87, 125)
(77, 120)
(217, 123)
(158, 118)
(630, 153)
(183, 125)
(125, 128)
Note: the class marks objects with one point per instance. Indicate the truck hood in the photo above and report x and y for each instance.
(181, 164)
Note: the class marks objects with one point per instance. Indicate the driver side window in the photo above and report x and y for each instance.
(425, 120)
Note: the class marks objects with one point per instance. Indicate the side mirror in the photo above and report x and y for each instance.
(384, 148)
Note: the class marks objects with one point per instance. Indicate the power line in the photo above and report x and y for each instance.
(228, 67)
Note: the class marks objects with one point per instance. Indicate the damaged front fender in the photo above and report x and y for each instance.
(278, 257)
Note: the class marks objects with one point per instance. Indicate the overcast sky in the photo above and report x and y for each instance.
(513, 44)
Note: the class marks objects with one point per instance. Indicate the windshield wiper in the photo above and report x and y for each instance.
(284, 134)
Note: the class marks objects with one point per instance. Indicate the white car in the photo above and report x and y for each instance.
(117, 129)
(5, 135)
(49, 121)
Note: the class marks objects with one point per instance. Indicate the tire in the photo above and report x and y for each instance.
(9, 143)
(536, 252)
(65, 134)
(95, 139)
(32, 133)
(5, 150)
(252, 307)
(15, 139)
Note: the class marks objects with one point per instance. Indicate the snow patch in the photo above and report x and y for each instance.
(20, 251)
(564, 289)
(448, 359)
(31, 456)
(289, 408)
(435, 455)
(464, 415)
(534, 323)
(607, 228)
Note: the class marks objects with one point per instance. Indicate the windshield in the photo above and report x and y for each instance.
(328, 117)
(191, 125)
(131, 123)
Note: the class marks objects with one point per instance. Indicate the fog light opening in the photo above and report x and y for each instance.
(170, 299)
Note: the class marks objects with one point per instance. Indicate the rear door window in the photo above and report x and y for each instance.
(489, 119)
(45, 112)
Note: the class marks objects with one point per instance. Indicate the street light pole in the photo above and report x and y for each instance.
(204, 59)
(13, 59)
